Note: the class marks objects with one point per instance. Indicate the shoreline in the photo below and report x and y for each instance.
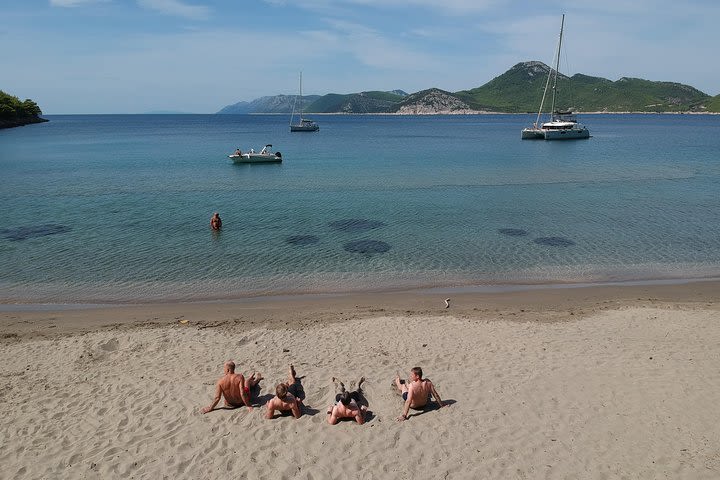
(296, 311)
(29, 304)
(21, 122)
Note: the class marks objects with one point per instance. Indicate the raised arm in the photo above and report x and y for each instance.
(270, 409)
(296, 410)
(332, 418)
(406, 407)
(360, 417)
(436, 396)
(218, 395)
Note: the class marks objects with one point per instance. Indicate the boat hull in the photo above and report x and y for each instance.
(569, 134)
(304, 128)
(532, 134)
(255, 158)
(565, 134)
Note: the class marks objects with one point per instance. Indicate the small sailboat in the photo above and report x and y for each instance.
(563, 125)
(305, 124)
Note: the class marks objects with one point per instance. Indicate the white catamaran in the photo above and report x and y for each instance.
(305, 124)
(562, 125)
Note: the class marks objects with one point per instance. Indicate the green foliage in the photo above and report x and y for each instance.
(11, 108)
(520, 90)
(713, 105)
(364, 102)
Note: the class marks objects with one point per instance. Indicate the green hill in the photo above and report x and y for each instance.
(713, 105)
(14, 113)
(520, 90)
(363, 102)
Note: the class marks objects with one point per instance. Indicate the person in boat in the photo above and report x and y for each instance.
(347, 404)
(416, 392)
(238, 152)
(234, 388)
(215, 221)
(288, 397)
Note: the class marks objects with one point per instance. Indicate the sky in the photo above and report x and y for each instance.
(193, 56)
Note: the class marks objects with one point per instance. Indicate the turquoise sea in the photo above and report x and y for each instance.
(115, 208)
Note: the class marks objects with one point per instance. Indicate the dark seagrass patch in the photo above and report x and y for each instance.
(23, 233)
(513, 232)
(367, 247)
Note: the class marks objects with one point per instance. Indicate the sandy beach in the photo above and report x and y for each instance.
(597, 382)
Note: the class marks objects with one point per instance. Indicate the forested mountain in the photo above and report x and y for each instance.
(518, 90)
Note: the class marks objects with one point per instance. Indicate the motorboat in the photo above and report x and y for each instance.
(563, 125)
(266, 155)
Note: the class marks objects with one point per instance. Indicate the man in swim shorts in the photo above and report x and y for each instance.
(347, 404)
(234, 388)
(288, 397)
(416, 392)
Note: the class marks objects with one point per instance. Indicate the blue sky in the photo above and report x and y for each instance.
(136, 56)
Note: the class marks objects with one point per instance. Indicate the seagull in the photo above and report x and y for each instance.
(447, 303)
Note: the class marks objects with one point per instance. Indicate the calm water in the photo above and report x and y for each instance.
(116, 208)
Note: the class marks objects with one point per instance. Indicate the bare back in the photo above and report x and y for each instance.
(231, 386)
(419, 392)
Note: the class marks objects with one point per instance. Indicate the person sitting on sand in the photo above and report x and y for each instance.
(215, 222)
(416, 392)
(234, 388)
(288, 397)
(347, 404)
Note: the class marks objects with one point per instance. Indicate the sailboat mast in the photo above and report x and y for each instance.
(301, 99)
(557, 65)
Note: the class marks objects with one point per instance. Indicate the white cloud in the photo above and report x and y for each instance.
(74, 3)
(446, 6)
(176, 8)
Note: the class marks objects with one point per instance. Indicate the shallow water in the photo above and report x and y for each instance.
(368, 202)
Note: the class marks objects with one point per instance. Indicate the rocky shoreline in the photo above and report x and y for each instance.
(20, 122)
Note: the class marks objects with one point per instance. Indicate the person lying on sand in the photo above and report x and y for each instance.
(416, 392)
(288, 397)
(347, 404)
(234, 388)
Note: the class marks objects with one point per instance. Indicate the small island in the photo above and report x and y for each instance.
(16, 113)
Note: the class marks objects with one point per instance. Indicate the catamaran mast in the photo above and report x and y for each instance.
(557, 65)
(550, 75)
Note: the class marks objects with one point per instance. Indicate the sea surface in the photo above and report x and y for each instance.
(116, 208)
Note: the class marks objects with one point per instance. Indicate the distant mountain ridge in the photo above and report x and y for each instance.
(518, 90)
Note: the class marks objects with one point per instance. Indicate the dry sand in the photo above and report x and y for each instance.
(602, 382)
